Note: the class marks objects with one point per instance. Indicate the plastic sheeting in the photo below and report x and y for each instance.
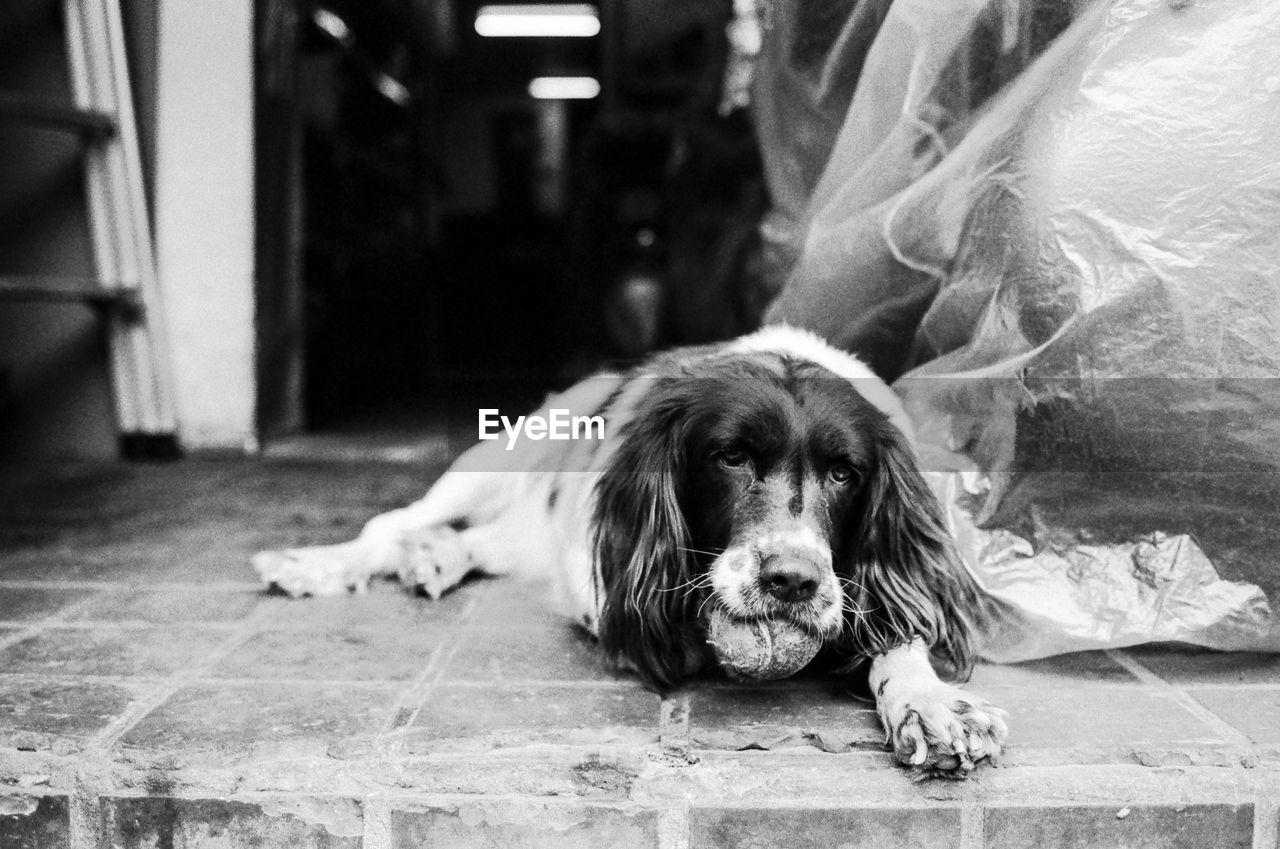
(1058, 226)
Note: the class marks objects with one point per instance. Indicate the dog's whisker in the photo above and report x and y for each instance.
(701, 605)
(847, 598)
(850, 583)
(701, 551)
(696, 583)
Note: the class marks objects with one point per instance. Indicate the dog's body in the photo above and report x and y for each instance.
(768, 479)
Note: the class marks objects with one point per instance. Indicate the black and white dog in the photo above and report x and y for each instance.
(768, 478)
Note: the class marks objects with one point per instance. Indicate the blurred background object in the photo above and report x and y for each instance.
(1053, 226)
(366, 208)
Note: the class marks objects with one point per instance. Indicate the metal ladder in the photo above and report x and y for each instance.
(125, 288)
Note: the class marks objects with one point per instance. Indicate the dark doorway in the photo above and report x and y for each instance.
(430, 232)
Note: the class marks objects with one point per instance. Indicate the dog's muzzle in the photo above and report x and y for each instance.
(782, 573)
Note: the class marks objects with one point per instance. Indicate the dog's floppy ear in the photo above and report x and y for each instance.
(645, 570)
(907, 579)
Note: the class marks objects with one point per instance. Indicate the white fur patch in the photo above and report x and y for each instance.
(933, 727)
(801, 537)
(736, 571)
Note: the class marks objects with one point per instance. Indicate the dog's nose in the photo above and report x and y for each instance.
(789, 578)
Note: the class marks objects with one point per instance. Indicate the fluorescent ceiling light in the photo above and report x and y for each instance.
(564, 88)
(392, 89)
(335, 26)
(568, 20)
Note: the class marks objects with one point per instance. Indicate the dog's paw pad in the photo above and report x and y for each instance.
(945, 735)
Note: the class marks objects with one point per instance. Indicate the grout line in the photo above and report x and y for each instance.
(149, 701)
(1266, 823)
(673, 725)
(564, 683)
(126, 681)
(673, 827)
(359, 683)
(84, 816)
(18, 636)
(1136, 668)
(54, 620)
(127, 625)
(972, 826)
(176, 586)
(376, 814)
(1249, 686)
(155, 680)
(1226, 730)
(413, 697)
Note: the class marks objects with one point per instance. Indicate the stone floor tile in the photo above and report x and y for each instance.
(204, 552)
(1124, 827)
(111, 504)
(168, 606)
(1096, 715)
(1082, 666)
(556, 651)
(34, 822)
(320, 491)
(53, 564)
(1199, 666)
(385, 605)
(487, 824)
(146, 561)
(513, 715)
(1253, 712)
(236, 720)
(53, 709)
(29, 604)
(135, 822)
(516, 604)
(821, 828)
(111, 651)
(802, 712)
(383, 653)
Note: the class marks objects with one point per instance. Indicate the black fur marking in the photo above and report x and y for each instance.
(903, 569)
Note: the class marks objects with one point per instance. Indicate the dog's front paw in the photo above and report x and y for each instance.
(316, 571)
(943, 731)
(435, 560)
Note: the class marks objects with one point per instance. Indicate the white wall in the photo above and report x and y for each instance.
(203, 215)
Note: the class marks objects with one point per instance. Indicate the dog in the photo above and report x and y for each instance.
(768, 480)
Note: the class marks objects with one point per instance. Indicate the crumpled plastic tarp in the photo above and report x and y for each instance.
(1057, 225)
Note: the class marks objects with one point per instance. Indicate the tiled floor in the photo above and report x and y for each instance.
(151, 694)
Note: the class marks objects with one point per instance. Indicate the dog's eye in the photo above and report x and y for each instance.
(841, 473)
(731, 457)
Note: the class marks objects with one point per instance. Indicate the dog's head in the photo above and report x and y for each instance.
(768, 488)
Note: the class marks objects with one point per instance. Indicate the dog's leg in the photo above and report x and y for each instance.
(455, 528)
(437, 558)
(410, 541)
(935, 728)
